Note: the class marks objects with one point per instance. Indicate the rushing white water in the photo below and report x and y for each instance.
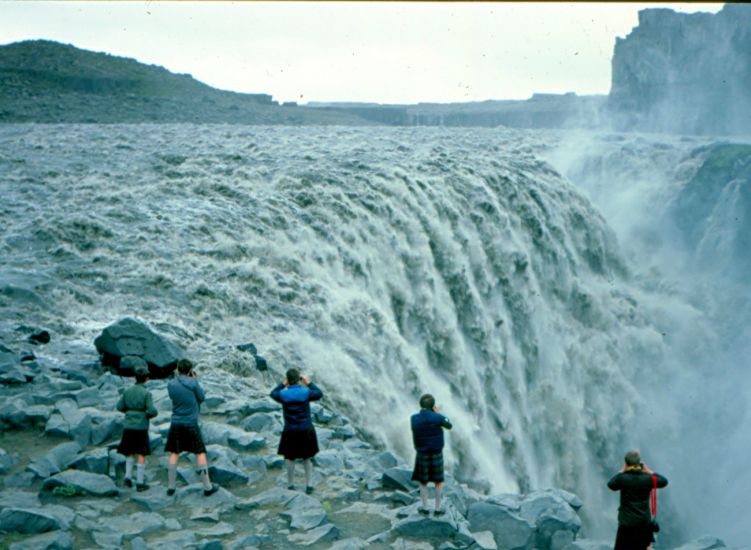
(386, 262)
(684, 217)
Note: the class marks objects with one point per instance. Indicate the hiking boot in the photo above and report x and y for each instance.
(140, 487)
(291, 487)
(128, 482)
(170, 492)
(439, 513)
(209, 492)
(309, 490)
(423, 511)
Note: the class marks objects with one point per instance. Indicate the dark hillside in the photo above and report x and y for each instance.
(45, 81)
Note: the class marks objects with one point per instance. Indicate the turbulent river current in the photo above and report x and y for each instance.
(523, 278)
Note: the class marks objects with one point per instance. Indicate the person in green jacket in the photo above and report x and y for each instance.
(138, 406)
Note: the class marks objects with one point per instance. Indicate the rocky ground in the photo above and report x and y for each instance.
(63, 480)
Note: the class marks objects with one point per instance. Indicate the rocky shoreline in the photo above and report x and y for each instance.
(62, 479)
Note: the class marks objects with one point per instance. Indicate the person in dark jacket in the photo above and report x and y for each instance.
(635, 481)
(427, 436)
(184, 434)
(299, 440)
(137, 404)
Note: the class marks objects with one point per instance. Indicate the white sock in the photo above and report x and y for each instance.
(171, 476)
(204, 471)
(140, 472)
(129, 467)
(424, 495)
(438, 491)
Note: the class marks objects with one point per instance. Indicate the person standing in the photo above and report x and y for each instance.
(427, 436)
(137, 404)
(184, 434)
(635, 481)
(299, 440)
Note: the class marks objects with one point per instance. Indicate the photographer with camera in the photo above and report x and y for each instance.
(184, 434)
(635, 481)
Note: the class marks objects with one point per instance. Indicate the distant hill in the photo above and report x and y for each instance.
(45, 81)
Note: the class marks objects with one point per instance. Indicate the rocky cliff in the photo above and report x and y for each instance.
(684, 73)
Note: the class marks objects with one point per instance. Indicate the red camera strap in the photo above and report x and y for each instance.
(653, 496)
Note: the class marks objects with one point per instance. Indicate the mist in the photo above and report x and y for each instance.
(685, 236)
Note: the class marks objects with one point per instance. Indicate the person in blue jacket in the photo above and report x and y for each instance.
(427, 435)
(299, 440)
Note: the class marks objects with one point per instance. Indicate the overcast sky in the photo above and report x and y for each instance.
(382, 52)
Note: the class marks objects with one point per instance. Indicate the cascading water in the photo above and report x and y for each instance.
(682, 209)
(387, 262)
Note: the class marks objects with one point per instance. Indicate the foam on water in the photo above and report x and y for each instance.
(387, 262)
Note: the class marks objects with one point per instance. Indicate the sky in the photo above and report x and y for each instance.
(389, 52)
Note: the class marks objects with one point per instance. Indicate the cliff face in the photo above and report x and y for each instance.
(684, 73)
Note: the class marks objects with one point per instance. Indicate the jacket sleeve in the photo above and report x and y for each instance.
(446, 423)
(121, 404)
(276, 393)
(662, 481)
(198, 390)
(151, 411)
(315, 392)
(615, 482)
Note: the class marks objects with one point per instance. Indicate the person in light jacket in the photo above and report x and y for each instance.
(184, 434)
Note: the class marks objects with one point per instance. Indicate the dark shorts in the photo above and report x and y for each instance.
(634, 537)
(428, 467)
(298, 444)
(184, 438)
(134, 442)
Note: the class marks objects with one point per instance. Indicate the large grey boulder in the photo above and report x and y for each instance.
(18, 499)
(55, 460)
(324, 533)
(36, 520)
(304, 512)
(554, 517)
(69, 421)
(96, 461)
(510, 529)
(17, 415)
(83, 482)
(399, 479)
(55, 540)
(129, 337)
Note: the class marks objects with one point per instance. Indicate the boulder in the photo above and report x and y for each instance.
(304, 512)
(399, 479)
(55, 460)
(40, 337)
(270, 497)
(552, 514)
(192, 497)
(413, 524)
(178, 539)
(261, 363)
(133, 525)
(153, 499)
(54, 540)
(83, 482)
(324, 533)
(510, 529)
(96, 461)
(224, 472)
(215, 433)
(249, 541)
(131, 337)
(18, 415)
(36, 520)
(67, 420)
(18, 499)
(261, 422)
(484, 540)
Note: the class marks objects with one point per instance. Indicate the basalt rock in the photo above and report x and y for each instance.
(129, 337)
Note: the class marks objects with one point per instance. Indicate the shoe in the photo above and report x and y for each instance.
(439, 513)
(140, 487)
(309, 490)
(423, 511)
(170, 492)
(209, 492)
(291, 487)
(128, 482)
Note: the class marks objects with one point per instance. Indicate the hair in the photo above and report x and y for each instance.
(141, 378)
(293, 376)
(184, 366)
(633, 458)
(427, 401)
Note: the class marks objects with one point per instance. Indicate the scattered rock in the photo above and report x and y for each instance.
(56, 460)
(56, 540)
(7, 462)
(511, 530)
(703, 543)
(36, 520)
(399, 479)
(83, 482)
(324, 533)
